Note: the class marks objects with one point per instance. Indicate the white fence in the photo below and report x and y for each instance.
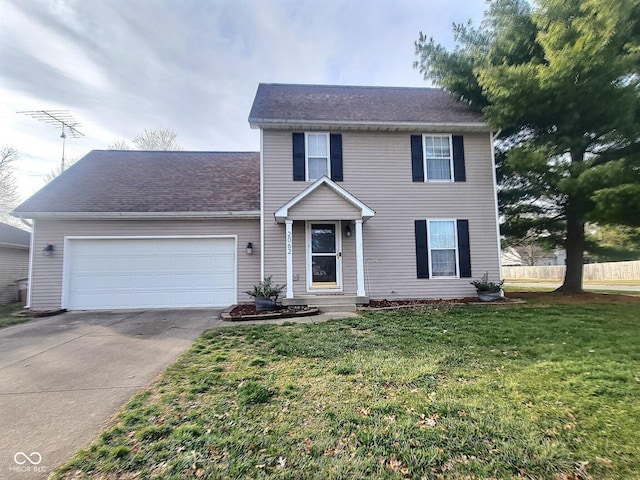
(593, 272)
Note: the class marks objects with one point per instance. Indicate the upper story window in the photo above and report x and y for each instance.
(317, 157)
(438, 159)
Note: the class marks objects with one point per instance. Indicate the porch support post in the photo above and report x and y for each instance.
(289, 256)
(359, 259)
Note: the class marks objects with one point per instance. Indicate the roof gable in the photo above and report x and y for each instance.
(139, 182)
(283, 212)
(281, 105)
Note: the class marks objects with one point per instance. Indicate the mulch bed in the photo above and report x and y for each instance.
(39, 313)
(408, 303)
(249, 310)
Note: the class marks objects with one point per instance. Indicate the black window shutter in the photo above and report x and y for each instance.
(422, 250)
(464, 249)
(417, 164)
(335, 142)
(459, 170)
(298, 157)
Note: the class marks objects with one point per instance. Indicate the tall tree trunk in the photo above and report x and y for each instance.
(574, 244)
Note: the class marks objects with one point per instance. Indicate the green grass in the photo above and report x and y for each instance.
(543, 390)
(6, 312)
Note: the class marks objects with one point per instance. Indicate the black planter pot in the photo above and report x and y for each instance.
(264, 304)
(489, 296)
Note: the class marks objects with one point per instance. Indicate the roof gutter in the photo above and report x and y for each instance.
(14, 245)
(282, 123)
(252, 214)
(24, 222)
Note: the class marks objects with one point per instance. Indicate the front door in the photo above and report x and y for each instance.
(324, 256)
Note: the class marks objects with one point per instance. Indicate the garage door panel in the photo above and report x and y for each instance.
(148, 273)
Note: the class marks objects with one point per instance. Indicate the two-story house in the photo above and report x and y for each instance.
(357, 193)
(374, 192)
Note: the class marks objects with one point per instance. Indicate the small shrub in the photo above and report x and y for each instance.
(484, 285)
(266, 289)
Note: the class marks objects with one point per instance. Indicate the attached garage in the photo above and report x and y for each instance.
(149, 272)
(126, 229)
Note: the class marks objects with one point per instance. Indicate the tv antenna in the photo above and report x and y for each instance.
(60, 118)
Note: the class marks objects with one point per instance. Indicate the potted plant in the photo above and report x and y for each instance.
(488, 291)
(266, 294)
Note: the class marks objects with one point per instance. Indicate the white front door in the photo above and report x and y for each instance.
(324, 256)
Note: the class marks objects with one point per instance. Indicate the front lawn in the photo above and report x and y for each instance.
(549, 389)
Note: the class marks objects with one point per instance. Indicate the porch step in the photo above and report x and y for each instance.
(328, 303)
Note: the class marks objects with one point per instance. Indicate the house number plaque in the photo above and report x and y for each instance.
(289, 243)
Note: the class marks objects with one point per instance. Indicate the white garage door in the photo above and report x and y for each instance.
(149, 273)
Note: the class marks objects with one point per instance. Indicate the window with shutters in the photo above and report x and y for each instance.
(317, 156)
(438, 158)
(443, 248)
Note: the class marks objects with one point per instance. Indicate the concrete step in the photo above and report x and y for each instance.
(328, 303)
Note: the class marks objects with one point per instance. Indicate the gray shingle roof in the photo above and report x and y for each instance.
(14, 236)
(150, 182)
(281, 104)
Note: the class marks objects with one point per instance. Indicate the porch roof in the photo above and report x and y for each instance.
(364, 212)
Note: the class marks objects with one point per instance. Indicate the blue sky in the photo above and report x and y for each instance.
(193, 66)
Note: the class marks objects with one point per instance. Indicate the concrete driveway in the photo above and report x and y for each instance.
(62, 378)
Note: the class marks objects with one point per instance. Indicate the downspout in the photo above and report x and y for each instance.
(495, 189)
(262, 246)
(32, 253)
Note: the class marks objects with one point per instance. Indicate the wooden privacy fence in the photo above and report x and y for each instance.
(593, 272)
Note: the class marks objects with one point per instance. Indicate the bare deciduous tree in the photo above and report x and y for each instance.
(530, 253)
(162, 139)
(58, 170)
(9, 196)
(119, 145)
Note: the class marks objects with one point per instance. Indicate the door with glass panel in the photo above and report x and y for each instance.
(324, 256)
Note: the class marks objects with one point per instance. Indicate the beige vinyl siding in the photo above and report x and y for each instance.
(323, 204)
(377, 170)
(14, 265)
(46, 286)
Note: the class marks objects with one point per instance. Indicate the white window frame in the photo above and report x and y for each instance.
(424, 157)
(306, 154)
(430, 247)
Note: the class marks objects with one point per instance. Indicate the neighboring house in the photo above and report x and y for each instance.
(357, 193)
(511, 258)
(14, 261)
